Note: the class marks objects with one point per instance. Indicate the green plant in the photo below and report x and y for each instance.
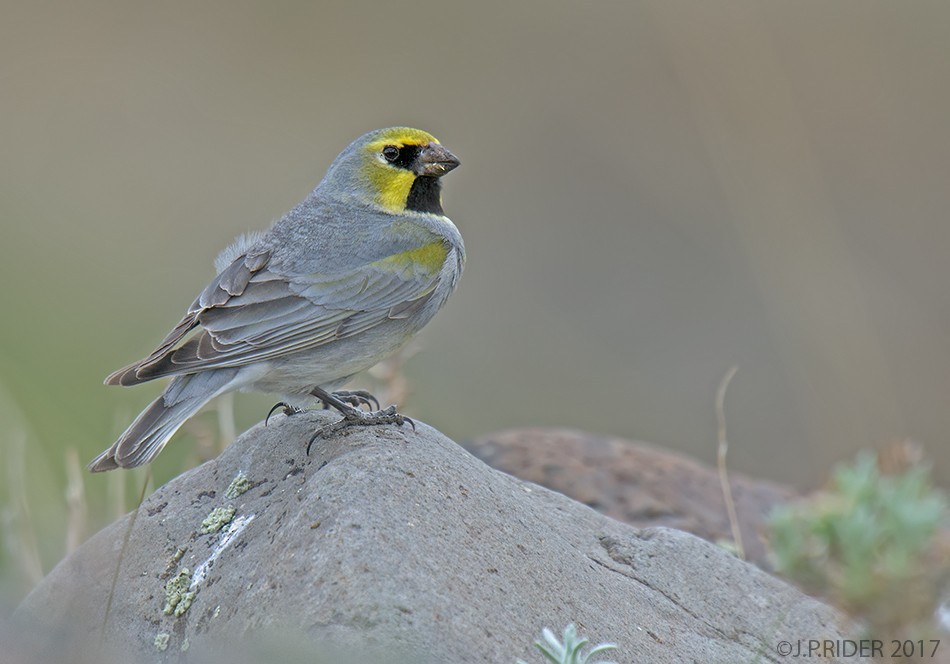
(570, 651)
(874, 544)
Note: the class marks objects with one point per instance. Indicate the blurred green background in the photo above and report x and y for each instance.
(650, 192)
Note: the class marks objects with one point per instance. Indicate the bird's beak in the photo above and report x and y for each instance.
(435, 161)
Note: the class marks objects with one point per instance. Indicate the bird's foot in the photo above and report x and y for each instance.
(356, 398)
(356, 417)
(287, 408)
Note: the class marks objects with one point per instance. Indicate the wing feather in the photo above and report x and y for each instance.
(250, 313)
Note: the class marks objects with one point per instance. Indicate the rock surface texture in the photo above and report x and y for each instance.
(636, 483)
(397, 546)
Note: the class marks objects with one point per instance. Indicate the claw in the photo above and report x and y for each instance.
(345, 402)
(288, 410)
(313, 438)
(353, 416)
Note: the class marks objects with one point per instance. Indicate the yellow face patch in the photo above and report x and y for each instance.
(392, 184)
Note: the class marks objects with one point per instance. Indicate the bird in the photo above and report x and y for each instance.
(339, 283)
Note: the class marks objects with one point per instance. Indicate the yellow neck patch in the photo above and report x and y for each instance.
(392, 186)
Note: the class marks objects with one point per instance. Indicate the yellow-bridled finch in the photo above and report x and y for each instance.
(339, 283)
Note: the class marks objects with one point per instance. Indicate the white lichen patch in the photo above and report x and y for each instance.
(178, 595)
(238, 485)
(218, 519)
(161, 641)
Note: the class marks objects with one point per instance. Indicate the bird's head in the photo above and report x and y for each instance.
(397, 169)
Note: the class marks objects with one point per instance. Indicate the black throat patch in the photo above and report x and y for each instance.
(425, 195)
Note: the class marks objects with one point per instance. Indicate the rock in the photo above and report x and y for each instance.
(636, 483)
(395, 546)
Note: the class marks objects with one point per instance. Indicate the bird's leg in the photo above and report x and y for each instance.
(353, 415)
(354, 398)
(288, 410)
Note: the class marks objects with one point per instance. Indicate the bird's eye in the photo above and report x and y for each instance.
(391, 153)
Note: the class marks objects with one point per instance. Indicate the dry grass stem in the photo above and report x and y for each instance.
(721, 461)
(227, 429)
(115, 494)
(77, 509)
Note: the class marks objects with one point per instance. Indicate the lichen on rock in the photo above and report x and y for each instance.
(178, 597)
(161, 641)
(217, 519)
(239, 485)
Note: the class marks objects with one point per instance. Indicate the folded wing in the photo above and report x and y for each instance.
(250, 313)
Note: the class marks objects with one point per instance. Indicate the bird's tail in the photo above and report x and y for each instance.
(155, 425)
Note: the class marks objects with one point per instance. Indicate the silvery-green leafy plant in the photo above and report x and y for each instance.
(570, 651)
(874, 543)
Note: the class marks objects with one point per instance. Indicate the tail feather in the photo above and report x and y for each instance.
(128, 375)
(155, 425)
